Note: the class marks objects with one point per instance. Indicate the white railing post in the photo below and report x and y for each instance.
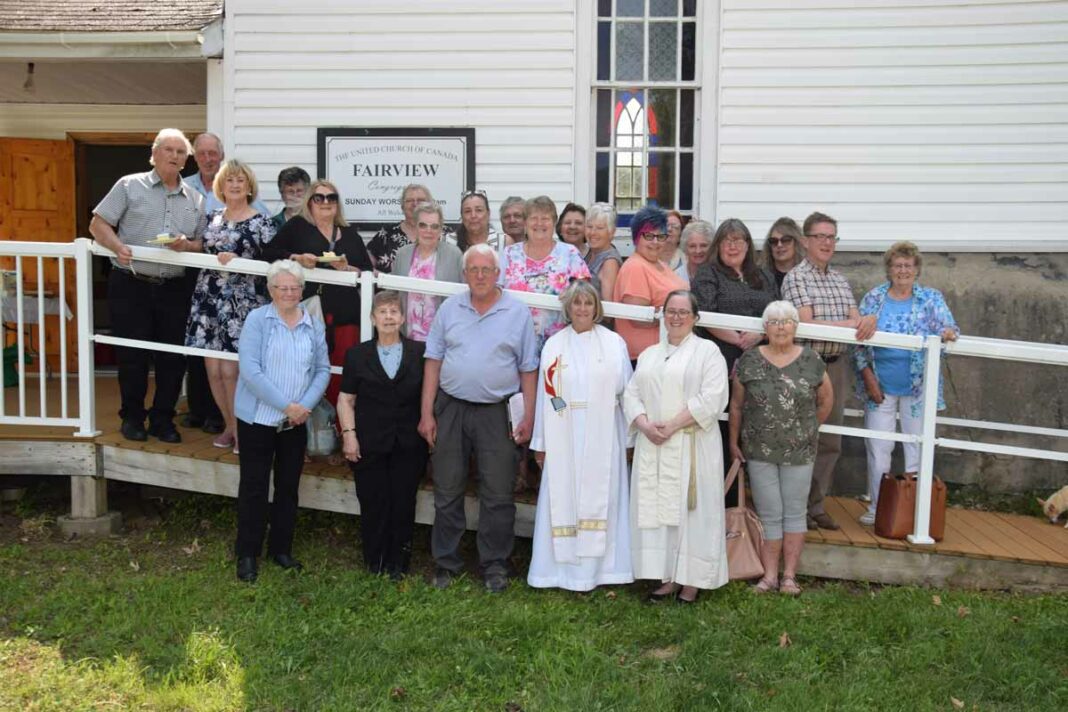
(367, 294)
(83, 272)
(921, 533)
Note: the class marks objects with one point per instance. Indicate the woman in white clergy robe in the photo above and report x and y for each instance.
(674, 401)
(581, 529)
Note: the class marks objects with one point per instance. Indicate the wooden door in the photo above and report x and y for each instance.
(37, 204)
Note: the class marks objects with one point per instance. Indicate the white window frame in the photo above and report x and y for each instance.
(706, 104)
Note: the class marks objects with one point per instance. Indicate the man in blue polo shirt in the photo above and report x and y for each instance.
(480, 351)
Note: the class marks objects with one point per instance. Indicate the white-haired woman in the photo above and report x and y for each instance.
(429, 257)
(581, 532)
(284, 371)
(384, 245)
(697, 246)
(602, 258)
(781, 395)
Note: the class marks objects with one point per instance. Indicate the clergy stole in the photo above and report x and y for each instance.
(658, 470)
(579, 474)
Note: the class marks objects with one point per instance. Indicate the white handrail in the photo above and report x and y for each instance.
(82, 250)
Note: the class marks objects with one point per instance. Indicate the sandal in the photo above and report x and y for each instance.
(789, 587)
(765, 586)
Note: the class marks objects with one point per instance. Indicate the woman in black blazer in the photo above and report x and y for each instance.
(378, 410)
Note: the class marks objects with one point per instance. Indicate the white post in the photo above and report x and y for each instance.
(367, 293)
(83, 273)
(921, 533)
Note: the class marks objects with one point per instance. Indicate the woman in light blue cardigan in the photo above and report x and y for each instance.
(284, 370)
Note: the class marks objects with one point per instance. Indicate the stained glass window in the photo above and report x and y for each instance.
(646, 100)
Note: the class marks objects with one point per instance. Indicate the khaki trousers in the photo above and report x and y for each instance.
(830, 445)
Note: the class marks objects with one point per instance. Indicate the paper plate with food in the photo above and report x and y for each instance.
(329, 257)
(164, 238)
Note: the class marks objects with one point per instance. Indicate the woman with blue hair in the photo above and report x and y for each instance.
(644, 279)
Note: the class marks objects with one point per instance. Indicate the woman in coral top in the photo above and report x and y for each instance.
(644, 280)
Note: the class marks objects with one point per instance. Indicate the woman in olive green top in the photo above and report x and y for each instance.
(781, 395)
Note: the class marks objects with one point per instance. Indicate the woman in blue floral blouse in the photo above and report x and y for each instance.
(891, 380)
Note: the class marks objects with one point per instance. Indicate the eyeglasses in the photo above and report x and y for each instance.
(320, 198)
(655, 236)
(903, 268)
(480, 271)
(784, 240)
(781, 322)
(735, 240)
(428, 226)
(821, 236)
(286, 290)
(677, 313)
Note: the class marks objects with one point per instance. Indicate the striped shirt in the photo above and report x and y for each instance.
(827, 292)
(140, 207)
(279, 365)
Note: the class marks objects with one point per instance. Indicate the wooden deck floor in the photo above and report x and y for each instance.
(980, 549)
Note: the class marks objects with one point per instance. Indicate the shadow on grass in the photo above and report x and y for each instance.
(156, 618)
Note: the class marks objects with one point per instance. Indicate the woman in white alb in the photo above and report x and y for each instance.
(581, 537)
(674, 401)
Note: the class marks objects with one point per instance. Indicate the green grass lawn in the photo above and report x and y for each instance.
(155, 619)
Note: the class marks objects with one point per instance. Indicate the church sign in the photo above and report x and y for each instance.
(371, 166)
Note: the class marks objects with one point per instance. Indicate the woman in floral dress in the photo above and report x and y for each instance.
(222, 300)
(543, 265)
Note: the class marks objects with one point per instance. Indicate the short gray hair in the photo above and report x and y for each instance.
(208, 134)
(582, 288)
(480, 249)
(602, 210)
(702, 228)
(510, 201)
(781, 309)
(165, 134)
(288, 266)
(428, 207)
(416, 186)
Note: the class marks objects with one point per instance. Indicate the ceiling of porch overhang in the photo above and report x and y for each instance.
(99, 82)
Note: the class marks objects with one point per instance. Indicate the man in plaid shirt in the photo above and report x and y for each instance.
(823, 296)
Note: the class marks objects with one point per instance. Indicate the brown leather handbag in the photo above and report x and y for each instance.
(745, 533)
(895, 515)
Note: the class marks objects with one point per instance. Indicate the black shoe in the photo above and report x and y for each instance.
(166, 432)
(213, 427)
(442, 578)
(685, 602)
(132, 430)
(496, 581)
(655, 597)
(246, 569)
(191, 421)
(287, 562)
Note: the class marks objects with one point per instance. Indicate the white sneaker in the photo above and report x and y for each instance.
(867, 519)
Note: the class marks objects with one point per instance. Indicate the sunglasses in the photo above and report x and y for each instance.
(320, 198)
(468, 193)
(784, 240)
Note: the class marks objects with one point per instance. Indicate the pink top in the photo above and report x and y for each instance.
(421, 307)
(639, 278)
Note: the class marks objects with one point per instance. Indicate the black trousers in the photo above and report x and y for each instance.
(198, 396)
(263, 447)
(386, 485)
(148, 312)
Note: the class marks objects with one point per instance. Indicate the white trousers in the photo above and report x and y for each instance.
(884, 417)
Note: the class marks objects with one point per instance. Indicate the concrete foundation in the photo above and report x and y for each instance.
(104, 525)
(1007, 296)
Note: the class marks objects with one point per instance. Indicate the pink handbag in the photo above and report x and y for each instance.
(745, 533)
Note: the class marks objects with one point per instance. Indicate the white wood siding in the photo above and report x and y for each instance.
(54, 121)
(943, 122)
(506, 68)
